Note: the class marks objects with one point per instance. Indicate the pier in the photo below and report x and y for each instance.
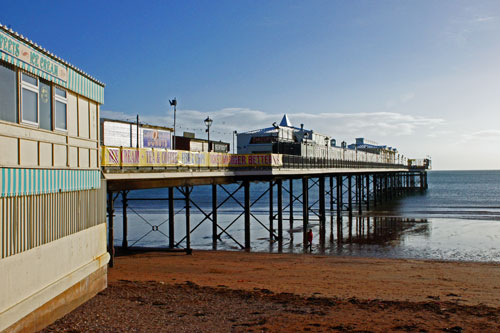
(345, 186)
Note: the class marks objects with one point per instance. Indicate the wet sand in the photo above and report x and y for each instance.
(237, 291)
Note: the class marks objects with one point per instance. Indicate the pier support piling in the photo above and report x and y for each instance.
(125, 220)
(111, 232)
(214, 217)
(305, 210)
(322, 213)
(349, 196)
(279, 185)
(246, 185)
(171, 217)
(271, 213)
(187, 195)
(291, 210)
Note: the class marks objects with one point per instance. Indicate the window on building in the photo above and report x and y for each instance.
(61, 109)
(8, 94)
(45, 105)
(29, 98)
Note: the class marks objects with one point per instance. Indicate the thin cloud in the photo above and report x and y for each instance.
(383, 126)
(483, 135)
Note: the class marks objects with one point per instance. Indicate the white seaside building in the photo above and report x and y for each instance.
(284, 139)
(53, 254)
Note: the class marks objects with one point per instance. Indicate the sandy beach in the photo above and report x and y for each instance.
(237, 291)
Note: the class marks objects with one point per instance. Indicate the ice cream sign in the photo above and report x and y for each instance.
(26, 54)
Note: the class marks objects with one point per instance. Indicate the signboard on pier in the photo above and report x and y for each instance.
(133, 157)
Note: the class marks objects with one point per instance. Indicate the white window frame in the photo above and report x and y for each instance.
(32, 88)
(63, 100)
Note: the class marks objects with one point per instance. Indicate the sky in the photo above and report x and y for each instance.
(422, 76)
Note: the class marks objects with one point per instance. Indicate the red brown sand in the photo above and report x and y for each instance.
(235, 291)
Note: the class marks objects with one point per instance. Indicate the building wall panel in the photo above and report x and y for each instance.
(93, 121)
(9, 151)
(60, 156)
(45, 154)
(72, 115)
(93, 158)
(29, 153)
(83, 118)
(73, 157)
(83, 157)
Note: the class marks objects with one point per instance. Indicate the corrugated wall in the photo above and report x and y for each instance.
(29, 221)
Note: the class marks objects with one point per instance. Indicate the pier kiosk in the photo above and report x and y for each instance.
(52, 205)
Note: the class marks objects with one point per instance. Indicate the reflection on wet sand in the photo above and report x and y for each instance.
(379, 230)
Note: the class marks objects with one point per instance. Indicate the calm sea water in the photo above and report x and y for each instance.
(457, 218)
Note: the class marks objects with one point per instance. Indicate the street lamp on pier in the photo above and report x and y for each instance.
(234, 134)
(174, 104)
(208, 123)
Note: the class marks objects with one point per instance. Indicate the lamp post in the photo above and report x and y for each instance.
(174, 104)
(327, 143)
(234, 134)
(208, 123)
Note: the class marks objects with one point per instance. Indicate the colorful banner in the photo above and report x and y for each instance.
(124, 157)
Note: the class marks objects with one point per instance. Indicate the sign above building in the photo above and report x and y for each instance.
(24, 54)
(31, 57)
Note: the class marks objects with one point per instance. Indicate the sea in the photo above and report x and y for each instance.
(457, 219)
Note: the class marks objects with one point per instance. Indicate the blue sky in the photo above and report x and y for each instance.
(419, 75)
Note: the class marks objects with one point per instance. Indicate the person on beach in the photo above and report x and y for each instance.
(310, 239)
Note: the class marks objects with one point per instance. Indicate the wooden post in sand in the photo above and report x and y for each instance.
(246, 185)
(171, 214)
(305, 210)
(279, 183)
(214, 217)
